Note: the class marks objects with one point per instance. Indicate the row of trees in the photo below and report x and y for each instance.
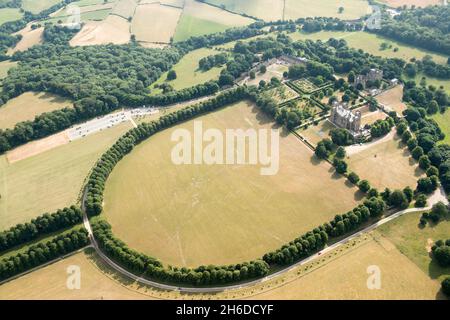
(154, 270)
(209, 62)
(40, 226)
(43, 252)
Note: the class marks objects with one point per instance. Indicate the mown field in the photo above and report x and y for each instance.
(371, 43)
(50, 180)
(36, 6)
(353, 9)
(193, 215)
(188, 73)
(30, 37)
(9, 14)
(385, 164)
(28, 105)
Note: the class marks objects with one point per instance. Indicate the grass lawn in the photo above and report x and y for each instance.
(443, 119)
(371, 43)
(36, 6)
(50, 180)
(188, 73)
(432, 81)
(28, 105)
(314, 134)
(9, 14)
(385, 164)
(393, 99)
(353, 9)
(415, 242)
(4, 68)
(190, 26)
(198, 214)
(50, 282)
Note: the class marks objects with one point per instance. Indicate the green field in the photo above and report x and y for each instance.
(188, 73)
(86, 16)
(432, 81)
(353, 9)
(190, 26)
(5, 66)
(414, 242)
(9, 14)
(50, 180)
(443, 119)
(191, 215)
(371, 43)
(36, 6)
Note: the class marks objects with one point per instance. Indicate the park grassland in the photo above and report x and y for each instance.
(188, 73)
(443, 120)
(29, 105)
(50, 180)
(387, 164)
(371, 43)
(9, 14)
(415, 242)
(190, 215)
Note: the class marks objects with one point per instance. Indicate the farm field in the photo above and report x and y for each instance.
(50, 180)
(385, 163)
(443, 119)
(252, 213)
(37, 6)
(199, 19)
(188, 73)
(113, 29)
(50, 282)
(415, 242)
(28, 105)
(347, 275)
(409, 3)
(30, 38)
(164, 22)
(392, 98)
(353, 9)
(9, 14)
(5, 66)
(371, 43)
(269, 10)
(125, 8)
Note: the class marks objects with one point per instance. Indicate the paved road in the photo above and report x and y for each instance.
(438, 196)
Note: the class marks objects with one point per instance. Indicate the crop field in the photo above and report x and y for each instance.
(314, 134)
(281, 94)
(30, 38)
(269, 10)
(113, 29)
(125, 8)
(50, 180)
(164, 22)
(9, 14)
(353, 9)
(28, 105)
(385, 163)
(371, 43)
(36, 6)
(392, 98)
(443, 119)
(188, 73)
(415, 242)
(345, 276)
(199, 19)
(50, 282)
(219, 214)
(5, 66)
(409, 3)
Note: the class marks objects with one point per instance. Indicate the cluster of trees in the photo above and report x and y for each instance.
(153, 269)
(381, 127)
(398, 198)
(316, 239)
(446, 286)
(43, 252)
(40, 226)
(126, 143)
(426, 28)
(329, 24)
(438, 212)
(429, 68)
(342, 137)
(441, 252)
(430, 99)
(209, 62)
